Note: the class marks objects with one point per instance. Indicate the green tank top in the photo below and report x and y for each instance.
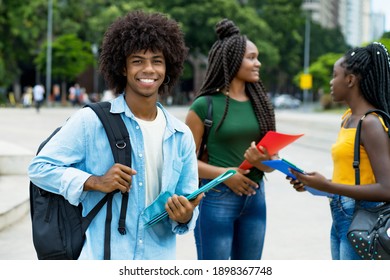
(227, 146)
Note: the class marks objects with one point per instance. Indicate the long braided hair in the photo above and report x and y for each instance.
(224, 61)
(371, 64)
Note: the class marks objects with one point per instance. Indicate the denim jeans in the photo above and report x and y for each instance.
(342, 209)
(231, 226)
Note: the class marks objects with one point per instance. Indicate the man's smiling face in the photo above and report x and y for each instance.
(145, 72)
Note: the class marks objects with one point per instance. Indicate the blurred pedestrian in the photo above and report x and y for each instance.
(39, 94)
(27, 97)
(75, 95)
(56, 94)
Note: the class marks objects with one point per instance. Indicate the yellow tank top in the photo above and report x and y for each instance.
(342, 155)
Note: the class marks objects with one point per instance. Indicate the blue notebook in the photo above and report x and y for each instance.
(283, 166)
(158, 217)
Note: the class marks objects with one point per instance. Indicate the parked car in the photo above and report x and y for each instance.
(286, 101)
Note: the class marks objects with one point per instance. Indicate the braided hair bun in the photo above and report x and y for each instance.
(224, 61)
(226, 28)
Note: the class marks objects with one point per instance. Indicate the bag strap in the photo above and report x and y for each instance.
(121, 149)
(356, 152)
(208, 122)
(116, 131)
(356, 155)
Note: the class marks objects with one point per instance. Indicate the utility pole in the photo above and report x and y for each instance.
(49, 49)
(306, 59)
(306, 78)
(95, 51)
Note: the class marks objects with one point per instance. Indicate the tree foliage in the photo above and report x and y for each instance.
(286, 21)
(70, 57)
(275, 26)
(322, 70)
(386, 41)
(322, 67)
(21, 26)
(199, 18)
(386, 35)
(326, 40)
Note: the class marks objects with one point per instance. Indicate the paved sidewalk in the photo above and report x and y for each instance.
(298, 224)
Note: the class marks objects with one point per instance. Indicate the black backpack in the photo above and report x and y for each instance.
(58, 227)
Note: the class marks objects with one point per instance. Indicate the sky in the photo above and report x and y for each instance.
(384, 7)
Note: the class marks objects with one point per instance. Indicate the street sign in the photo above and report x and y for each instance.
(306, 81)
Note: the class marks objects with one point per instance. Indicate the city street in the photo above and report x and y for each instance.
(298, 224)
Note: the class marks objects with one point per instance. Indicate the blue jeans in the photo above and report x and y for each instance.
(342, 209)
(231, 226)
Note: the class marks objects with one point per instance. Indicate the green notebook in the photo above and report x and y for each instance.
(205, 188)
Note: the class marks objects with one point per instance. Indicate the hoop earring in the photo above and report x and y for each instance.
(168, 80)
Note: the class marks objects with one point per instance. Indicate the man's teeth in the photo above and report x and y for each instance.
(147, 80)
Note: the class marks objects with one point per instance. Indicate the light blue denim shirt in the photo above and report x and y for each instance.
(81, 149)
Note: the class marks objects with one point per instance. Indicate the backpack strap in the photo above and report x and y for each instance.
(356, 155)
(208, 122)
(121, 149)
(116, 131)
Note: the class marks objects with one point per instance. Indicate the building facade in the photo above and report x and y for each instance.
(355, 18)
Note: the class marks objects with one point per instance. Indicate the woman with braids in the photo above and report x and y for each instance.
(142, 56)
(361, 78)
(232, 217)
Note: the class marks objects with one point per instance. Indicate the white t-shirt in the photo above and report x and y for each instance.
(153, 135)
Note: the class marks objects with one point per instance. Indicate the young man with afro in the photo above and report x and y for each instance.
(141, 57)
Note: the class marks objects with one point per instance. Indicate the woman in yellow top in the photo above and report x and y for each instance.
(361, 78)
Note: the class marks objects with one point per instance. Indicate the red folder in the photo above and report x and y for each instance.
(273, 141)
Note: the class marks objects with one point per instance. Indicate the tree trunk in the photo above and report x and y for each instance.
(64, 92)
(199, 63)
(17, 90)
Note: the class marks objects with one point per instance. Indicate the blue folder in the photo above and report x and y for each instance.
(157, 218)
(283, 166)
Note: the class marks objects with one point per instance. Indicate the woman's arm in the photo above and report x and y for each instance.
(377, 145)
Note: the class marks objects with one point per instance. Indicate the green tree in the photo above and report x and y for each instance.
(20, 25)
(89, 19)
(386, 35)
(326, 40)
(198, 20)
(276, 27)
(286, 20)
(94, 16)
(386, 41)
(321, 71)
(70, 57)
